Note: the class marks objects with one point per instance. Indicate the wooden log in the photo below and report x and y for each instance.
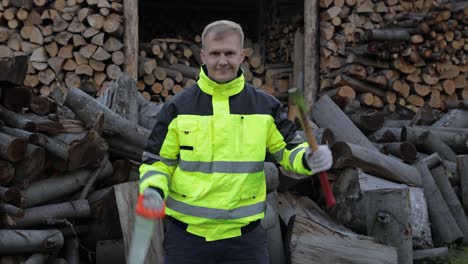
(444, 227)
(11, 195)
(271, 224)
(30, 241)
(454, 118)
(389, 220)
(462, 169)
(17, 98)
(403, 150)
(85, 108)
(456, 140)
(72, 246)
(380, 165)
(368, 120)
(440, 177)
(36, 258)
(328, 115)
(126, 196)
(46, 190)
(12, 148)
(39, 215)
(430, 142)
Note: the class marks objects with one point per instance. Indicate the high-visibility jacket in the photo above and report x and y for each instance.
(206, 153)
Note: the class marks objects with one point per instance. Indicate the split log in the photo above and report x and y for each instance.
(314, 238)
(440, 177)
(42, 191)
(375, 163)
(85, 107)
(351, 190)
(30, 241)
(40, 215)
(328, 115)
(389, 220)
(444, 226)
(462, 168)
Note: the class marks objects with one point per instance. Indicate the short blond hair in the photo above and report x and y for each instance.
(220, 28)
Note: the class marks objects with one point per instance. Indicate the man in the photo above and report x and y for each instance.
(206, 153)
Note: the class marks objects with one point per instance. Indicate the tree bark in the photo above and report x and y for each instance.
(49, 189)
(389, 220)
(375, 163)
(40, 215)
(440, 177)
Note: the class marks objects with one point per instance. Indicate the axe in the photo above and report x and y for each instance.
(298, 99)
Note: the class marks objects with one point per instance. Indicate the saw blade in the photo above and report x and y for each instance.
(141, 239)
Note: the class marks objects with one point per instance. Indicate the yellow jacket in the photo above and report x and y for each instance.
(207, 152)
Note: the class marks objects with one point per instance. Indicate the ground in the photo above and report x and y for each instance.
(459, 255)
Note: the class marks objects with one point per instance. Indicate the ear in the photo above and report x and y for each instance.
(243, 54)
(203, 56)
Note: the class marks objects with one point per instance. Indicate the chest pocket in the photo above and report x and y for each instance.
(188, 134)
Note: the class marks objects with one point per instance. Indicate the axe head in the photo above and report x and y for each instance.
(297, 97)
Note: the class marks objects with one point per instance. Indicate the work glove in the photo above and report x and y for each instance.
(319, 160)
(151, 204)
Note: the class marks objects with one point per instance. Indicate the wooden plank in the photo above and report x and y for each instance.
(126, 198)
(131, 38)
(311, 51)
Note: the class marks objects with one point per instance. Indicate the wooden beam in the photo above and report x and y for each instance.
(311, 51)
(131, 38)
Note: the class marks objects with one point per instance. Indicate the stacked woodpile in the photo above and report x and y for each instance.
(71, 41)
(389, 53)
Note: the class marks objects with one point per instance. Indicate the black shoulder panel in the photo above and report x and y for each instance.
(193, 101)
(253, 101)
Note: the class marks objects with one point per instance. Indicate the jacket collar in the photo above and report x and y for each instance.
(223, 89)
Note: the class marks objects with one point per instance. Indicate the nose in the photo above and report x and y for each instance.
(222, 59)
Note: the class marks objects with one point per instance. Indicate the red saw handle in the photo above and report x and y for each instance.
(148, 213)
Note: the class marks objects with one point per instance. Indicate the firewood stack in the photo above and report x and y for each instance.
(66, 40)
(55, 152)
(393, 52)
(168, 65)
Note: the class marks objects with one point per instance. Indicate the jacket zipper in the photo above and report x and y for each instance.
(241, 141)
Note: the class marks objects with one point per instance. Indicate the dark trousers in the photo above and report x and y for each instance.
(182, 247)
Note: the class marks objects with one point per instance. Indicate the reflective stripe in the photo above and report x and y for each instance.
(212, 213)
(293, 155)
(279, 155)
(222, 166)
(153, 173)
(150, 158)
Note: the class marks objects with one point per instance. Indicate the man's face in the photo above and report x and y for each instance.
(222, 56)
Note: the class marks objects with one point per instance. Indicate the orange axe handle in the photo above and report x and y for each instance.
(329, 198)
